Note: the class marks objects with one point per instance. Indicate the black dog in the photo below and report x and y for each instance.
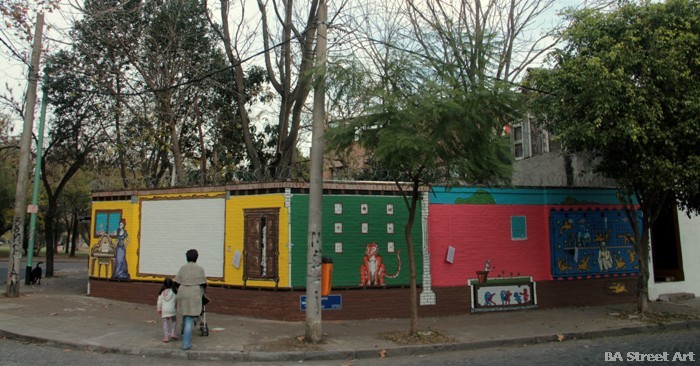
(35, 274)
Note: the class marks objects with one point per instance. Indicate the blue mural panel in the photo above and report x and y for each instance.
(592, 243)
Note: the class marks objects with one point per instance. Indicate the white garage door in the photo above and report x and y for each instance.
(171, 227)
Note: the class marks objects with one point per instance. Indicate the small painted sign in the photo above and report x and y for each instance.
(237, 259)
(330, 302)
(503, 294)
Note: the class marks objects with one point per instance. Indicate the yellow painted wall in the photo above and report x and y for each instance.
(235, 239)
(234, 235)
(130, 212)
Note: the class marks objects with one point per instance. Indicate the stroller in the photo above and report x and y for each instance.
(202, 320)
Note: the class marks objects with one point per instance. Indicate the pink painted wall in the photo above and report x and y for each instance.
(483, 231)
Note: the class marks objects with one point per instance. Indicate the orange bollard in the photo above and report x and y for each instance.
(326, 275)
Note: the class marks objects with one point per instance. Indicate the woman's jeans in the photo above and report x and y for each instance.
(188, 322)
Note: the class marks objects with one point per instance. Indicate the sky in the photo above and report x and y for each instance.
(13, 73)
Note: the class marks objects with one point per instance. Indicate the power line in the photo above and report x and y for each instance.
(13, 51)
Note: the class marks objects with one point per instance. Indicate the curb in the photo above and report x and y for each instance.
(257, 356)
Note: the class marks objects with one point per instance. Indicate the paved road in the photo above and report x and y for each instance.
(574, 352)
(570, 353)
(57, 266)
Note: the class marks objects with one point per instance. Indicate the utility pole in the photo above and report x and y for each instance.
(33, 209)
(15, 259)
(313, 254)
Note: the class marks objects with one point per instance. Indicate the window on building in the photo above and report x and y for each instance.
(106, 222)
(518, 150)
(518, 228)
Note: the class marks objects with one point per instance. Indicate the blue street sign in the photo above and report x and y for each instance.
(330, 302)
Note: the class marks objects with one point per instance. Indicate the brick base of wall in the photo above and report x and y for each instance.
(373, 303)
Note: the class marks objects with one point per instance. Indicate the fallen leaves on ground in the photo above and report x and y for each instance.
(654, 317)
(382, 353)
(421, 337)
(560, 337)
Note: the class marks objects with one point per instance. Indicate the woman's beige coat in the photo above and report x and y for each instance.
(189, 294)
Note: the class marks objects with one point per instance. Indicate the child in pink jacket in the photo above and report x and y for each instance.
(166, 309)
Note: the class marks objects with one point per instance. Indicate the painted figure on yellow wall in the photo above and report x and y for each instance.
(121, 270)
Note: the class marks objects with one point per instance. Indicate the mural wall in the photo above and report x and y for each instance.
(114, 240)
(544, 233)
(535, 233)
(478, 232)
(262, 238)
(364, 237)
(592, 243)
(118, 239)
(243, 250)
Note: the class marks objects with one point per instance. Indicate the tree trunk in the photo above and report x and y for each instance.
(239, 90)
(203, 158)
(413, 296)
(643, 283)
(641, 244)
(569, 169)
(167, 110)
(74, 236)
(50, 238)
(120, 145)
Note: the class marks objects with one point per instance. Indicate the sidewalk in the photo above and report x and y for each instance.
(59, 313)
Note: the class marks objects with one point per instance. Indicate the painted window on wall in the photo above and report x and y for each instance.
(106, 223)
(518, 228)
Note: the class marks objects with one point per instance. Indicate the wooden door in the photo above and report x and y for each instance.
(261, 247)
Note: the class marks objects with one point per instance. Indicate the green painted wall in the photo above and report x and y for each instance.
(346, 265)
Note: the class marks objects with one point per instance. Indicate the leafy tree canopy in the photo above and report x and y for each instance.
(431, 132)
(626, 88)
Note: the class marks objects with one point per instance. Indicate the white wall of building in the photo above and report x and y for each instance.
(689, 229)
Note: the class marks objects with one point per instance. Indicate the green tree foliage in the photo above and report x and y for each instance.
(173, 106)
(287, 32)
(73, 205)
(626, 89)
(8, 171)
(423, 124)
(145, 55)
(74, 133)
